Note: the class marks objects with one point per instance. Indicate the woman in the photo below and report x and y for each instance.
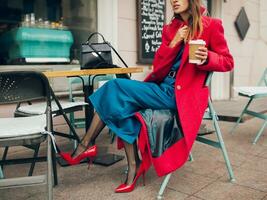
(174, 84)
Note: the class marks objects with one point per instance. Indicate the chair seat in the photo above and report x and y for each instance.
(22, 126)
(251, 91)
(23, 181)
(39, 108)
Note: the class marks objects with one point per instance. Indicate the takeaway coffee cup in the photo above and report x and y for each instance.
(193, 46)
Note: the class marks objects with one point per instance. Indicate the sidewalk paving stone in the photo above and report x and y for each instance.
(205, 178)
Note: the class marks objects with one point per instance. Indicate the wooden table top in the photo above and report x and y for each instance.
(68, 73)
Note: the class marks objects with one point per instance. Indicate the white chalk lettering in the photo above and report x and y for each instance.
(152, 20)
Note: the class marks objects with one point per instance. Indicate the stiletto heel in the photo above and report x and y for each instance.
(89, 153)
(90, 162)
(144, 180)
(128, 188)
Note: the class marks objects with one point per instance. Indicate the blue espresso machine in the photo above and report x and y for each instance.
(36, 45)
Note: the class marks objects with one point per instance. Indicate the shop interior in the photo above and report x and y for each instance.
(45, 31)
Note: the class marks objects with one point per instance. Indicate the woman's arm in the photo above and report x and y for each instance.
(219, 57)
(169, 48)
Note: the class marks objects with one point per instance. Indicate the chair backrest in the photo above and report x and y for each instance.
(18, 86)
(208, 79)
(207, 114)
(263, 80)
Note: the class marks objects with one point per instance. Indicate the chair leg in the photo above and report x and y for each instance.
(49, 169)
(4, 156)
(222, 146)
(163, 186)
(72, 122)
(191, 157)
(260, 133)
(54, 165)
(112, 135)
(36, 151)
(1, 173)
(241, 115)
(65, 116)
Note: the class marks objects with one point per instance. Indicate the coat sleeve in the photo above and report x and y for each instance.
(219, 57)
(165, 55)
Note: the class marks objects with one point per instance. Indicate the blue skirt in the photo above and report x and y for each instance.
(118, 100)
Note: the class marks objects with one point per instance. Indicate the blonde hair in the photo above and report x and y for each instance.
(195, 25)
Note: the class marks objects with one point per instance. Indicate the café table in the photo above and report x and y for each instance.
(87, 89)
(107, 159)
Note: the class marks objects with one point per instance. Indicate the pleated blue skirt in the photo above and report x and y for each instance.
(118, 100)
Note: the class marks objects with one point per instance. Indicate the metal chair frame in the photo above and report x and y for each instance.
(262, 82)
(21, 89)
(210, 114)
(73, 136)
(36, 147)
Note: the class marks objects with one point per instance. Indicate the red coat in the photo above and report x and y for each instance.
(191, 94)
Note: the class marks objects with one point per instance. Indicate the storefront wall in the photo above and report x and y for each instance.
(117, 21)
(249, 54)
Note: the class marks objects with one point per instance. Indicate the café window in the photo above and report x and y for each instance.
(78, 17)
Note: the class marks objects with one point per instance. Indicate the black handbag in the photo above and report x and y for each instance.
(97, 55)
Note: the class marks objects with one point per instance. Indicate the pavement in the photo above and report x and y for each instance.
(204, 178)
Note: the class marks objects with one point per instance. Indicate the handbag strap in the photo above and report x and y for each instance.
(95, 33)
(105, 42)
(117, 54)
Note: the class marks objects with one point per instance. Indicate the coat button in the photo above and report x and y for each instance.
(178, 87)
(153, 76)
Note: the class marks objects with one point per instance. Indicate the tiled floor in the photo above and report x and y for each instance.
(205, 178)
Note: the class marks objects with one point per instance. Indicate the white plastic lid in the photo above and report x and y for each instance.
(197, 42)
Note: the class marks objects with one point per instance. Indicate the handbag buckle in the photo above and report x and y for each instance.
(172, 74)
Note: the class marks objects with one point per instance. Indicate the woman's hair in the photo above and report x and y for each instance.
(194, 22)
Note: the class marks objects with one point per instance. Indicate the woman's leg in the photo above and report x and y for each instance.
(95, 128)
(137, 159)
(130, 154)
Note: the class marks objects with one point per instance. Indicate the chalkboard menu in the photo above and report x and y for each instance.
(151, 17)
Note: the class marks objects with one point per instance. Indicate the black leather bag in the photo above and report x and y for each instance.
(95, 55)
(98, 55)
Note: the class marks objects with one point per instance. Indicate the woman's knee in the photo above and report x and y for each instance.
(110, 84)
(118, 82)
(113, 82)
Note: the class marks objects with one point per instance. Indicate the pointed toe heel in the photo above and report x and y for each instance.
(123, 188)
(88, 153)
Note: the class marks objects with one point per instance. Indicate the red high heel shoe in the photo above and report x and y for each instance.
(129, 188)
(89, 153)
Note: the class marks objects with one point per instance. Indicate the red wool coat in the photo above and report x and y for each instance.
(191, 94)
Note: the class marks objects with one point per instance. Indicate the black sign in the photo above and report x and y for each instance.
(151, 17)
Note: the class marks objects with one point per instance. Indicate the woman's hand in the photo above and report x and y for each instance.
(180, 35)
(202, 54)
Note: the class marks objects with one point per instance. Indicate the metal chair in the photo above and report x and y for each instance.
(1, 173)
(59, 108)
(252, 93)
(210, 114)
(26, 86)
